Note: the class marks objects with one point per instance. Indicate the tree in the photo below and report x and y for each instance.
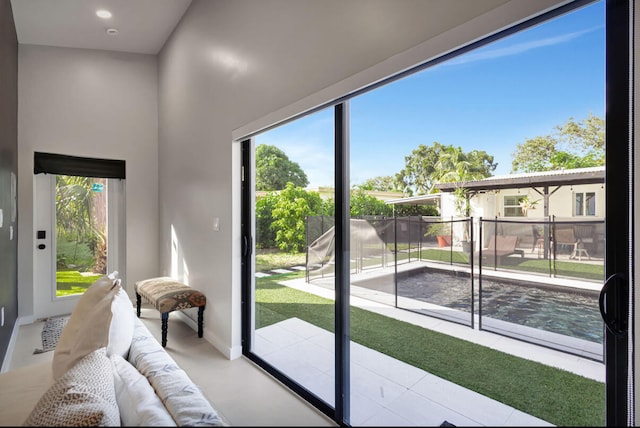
(265, 235)
(289, 214)
(417, 175)
(572, 145)
(386, 183)
(367, 205)
(427, 166)
(454, 165)
(402, 210)
(274, 169)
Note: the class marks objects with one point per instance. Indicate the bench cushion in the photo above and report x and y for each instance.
(167, 294)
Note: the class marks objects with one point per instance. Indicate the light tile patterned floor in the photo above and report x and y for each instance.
(384, 391)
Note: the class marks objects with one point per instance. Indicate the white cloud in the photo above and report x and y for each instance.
(488, 53)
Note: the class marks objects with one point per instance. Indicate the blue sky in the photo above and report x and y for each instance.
(491, 99)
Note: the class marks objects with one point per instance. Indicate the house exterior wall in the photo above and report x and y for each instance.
(90, 103)
(491, 204)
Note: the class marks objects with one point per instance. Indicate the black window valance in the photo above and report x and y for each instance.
(50, 163)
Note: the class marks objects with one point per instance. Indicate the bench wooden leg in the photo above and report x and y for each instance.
(165, 327)
(138, 303)
(200, 320)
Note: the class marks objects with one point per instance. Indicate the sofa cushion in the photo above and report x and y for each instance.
(103, 317)
(183, 399)
(138, 403)
(121, 326)
(83, 396)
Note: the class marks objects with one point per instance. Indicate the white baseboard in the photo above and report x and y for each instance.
(12, 343)
(209, 337)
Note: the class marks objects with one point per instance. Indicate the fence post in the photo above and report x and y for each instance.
(306, 237)
(471, 247)
(495, 244)
(480, 245)
(451, 241)
(555, 244)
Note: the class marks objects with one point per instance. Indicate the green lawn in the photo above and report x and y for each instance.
(69, 282)
(272, 260)
(562, 268)
(557, 396)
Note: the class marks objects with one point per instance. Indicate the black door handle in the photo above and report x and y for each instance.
(614, 304)
(247, 243)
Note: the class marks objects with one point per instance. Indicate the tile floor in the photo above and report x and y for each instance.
(384, 391)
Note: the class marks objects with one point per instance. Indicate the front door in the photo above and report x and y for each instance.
(76, 237)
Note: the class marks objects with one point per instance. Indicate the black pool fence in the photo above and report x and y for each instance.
(535, 310)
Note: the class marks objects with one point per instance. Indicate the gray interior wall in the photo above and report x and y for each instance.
(234, 66)
(8, 166)
(90, 103)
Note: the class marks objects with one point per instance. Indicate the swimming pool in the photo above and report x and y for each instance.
(562, 310)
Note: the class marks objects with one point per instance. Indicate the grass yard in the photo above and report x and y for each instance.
(268, 259)
(542, 266)
(557, 396)
(69, 282)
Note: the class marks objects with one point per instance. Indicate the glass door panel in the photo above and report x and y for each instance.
(80, 232)
(421, 349)
(293, 284)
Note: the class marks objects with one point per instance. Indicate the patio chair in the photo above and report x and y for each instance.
(584, 235)
(566, 236)
(501, 246)
(538, 239)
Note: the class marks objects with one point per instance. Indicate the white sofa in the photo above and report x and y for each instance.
(104, 376)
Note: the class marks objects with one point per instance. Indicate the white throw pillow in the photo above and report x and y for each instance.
(122, 323)
(138, 403)
(88, 325)
(83, 396)
(103, 317)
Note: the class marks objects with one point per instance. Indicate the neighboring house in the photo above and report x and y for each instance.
(576, 194)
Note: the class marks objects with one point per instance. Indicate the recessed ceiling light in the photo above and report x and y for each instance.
(104, 14)
(112, 31)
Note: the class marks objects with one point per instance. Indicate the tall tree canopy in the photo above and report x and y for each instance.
(428, 165)
(385, 183)
(290, 211)
(572, 145)
(274, 169)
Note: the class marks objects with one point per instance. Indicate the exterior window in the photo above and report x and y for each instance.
(512, 206)
(585, 203)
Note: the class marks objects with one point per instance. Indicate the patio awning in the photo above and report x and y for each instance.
(432, 199)
(531, 179)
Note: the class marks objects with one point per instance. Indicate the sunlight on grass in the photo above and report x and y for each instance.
(69, 282)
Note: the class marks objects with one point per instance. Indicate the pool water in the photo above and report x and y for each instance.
(561, 310)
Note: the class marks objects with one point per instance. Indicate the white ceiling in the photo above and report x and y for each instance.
(143, 25)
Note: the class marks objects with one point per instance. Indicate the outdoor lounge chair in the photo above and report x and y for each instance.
(566, 236)
(501, 246)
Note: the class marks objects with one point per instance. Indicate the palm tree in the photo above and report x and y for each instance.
(79, 214)
(455, 166)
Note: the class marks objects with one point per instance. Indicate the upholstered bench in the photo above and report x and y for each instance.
(168, 295)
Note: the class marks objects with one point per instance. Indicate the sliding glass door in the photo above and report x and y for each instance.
(292, 321)
(363, 283)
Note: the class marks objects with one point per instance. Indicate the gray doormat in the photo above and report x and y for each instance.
(51, 333)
